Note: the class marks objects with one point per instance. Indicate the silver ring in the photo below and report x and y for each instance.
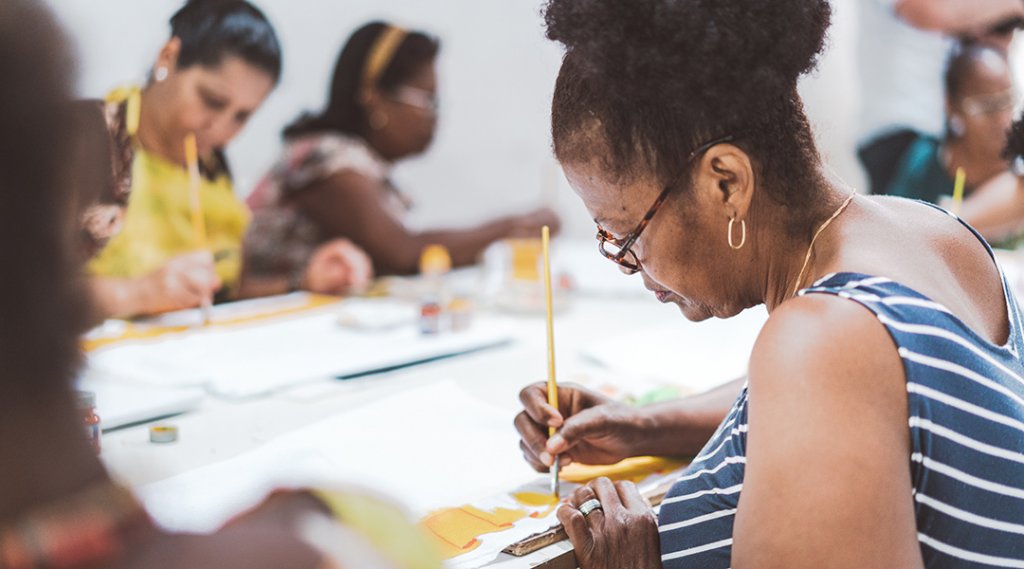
(589, 506)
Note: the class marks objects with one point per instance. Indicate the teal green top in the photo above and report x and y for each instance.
(920, 174)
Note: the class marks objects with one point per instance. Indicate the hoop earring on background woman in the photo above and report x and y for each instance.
(378, 120)
(160, 74)
(743, 234)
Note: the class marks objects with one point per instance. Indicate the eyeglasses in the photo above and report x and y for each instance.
(987, 104)
(415, 97)
(620, 251)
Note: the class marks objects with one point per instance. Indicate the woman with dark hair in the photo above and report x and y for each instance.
(881, 421)
(979, 109)
(58, 505)
(333, 179)
(220, 64)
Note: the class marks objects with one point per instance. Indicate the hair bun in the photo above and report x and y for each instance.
(696, 49)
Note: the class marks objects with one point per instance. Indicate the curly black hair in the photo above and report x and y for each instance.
(651, 80)
(1014, 149)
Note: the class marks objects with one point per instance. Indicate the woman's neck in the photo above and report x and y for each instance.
(787, 266)
(150, 128)
(45, 453)
(978, 166)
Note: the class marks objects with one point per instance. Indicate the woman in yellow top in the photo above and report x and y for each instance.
(221, 62)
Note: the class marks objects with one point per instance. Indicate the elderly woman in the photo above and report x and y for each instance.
(881, 422)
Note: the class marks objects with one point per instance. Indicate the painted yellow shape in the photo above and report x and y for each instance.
(455, 530)
(536, 499)
(634, 469)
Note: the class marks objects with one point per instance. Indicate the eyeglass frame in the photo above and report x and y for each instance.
(625, 244)
(989, 103)
(415, 97)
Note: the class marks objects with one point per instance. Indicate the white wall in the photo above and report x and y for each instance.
(492, 153)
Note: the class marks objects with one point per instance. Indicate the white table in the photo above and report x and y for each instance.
(220, 429)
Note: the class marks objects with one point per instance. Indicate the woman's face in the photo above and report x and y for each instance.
(213, 102)
(683, 251)
(986, 105)
(411, 111)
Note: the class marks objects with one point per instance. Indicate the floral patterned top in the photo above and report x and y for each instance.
(102, 219)
(282, 237)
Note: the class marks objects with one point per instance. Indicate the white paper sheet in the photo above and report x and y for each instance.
(119, 404)
(247, 360)
(695, 355)
(431, 447)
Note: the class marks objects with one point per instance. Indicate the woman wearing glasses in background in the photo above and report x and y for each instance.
(881, 421)
(980, 98)
(333, 179)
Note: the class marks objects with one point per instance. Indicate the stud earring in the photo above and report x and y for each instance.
(160, 74)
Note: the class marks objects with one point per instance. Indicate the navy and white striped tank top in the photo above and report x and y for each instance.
(966, 420)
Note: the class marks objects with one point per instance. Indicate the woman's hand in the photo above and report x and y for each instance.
(336, 267)
(186, 281)
(592, 428)
(621, 534)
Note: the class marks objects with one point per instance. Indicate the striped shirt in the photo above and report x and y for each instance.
(966, 423)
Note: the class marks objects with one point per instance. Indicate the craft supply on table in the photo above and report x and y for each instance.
(163, 434)
(86, 401)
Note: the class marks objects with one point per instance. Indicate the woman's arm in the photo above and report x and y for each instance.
(350, 205)
(958, 17)
(336, 267)
(827, 480)
(996, 208)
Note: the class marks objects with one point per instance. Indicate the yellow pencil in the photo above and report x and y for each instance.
(545, 237)
(196, 205)
(958, 190)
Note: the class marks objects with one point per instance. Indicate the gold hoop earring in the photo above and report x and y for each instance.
(743, 234)
(378, 120)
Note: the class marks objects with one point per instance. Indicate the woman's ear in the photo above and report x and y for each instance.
(726, 175)
(167, 59)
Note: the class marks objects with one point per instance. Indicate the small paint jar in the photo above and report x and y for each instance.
(86, 401)
(461, 311)
(430, 318)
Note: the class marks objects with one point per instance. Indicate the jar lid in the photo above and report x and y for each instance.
(86, 399)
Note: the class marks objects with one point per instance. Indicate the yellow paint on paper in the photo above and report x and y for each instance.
(535, 500)
(634, 469)
(455, 530)
(525, 259)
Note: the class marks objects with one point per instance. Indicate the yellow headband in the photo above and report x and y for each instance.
(381, 53)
